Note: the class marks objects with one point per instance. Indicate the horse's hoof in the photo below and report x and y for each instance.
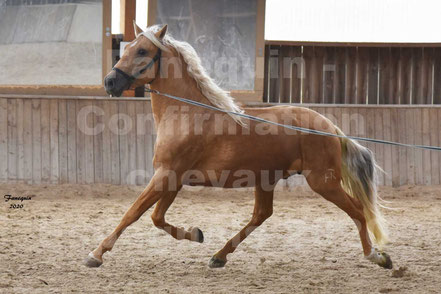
(381, 258)
(197, 235)
(216, 262)
(387, 261)
(92, 261)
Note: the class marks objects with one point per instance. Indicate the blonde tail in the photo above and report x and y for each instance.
(359, 181)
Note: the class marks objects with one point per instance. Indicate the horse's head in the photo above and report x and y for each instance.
(139, 64)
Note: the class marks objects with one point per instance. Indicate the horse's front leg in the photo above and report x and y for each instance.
(263, 209)
(158, 218)
(160, 185)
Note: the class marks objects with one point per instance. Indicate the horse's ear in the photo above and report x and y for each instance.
(161, 33)
(137, 29)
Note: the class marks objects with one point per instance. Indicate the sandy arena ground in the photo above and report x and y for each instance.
(307, 246)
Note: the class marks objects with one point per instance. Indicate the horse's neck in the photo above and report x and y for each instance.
(181, 85)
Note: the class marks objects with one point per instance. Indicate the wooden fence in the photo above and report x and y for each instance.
(352, 75)
(42, 139)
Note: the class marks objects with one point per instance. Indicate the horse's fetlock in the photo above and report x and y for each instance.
(158, 221)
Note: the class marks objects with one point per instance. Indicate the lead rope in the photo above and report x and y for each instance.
(300, 129)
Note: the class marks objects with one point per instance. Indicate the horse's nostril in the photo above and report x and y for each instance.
(110, 83)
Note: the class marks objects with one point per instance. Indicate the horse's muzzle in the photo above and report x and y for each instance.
(115, 83)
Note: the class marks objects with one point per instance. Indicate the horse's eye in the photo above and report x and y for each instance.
(142, 52)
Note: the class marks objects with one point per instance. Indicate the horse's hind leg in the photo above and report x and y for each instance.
(263, 209)
(330, 188)
(158, 218)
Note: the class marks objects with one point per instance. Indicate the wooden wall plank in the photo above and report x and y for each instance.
(435, 140)
(274, 73)
(362, 75)
(36, 141)
(328, 113)
(71, 141)
(88, 144)
(20, 140)
(402, 152)
(54, 143)
(131, 139)
(437, 76)
(439, 142)
(280, 98)
(379, 148)
(427, 167)
(114, 143)
(284, 75)
(266, 75)
(373, 75)
(3, 140)
(395, 137)
(385, 76)
(28, 140)
(123, 125)
(423, 76)
(308, 56)
(297, 69)
(62, 141)
(98, 123)
(140, 142)
(354, 119)
(410, 139)
(107, 150)
(329, 75)
(81, 141)
(362, 124)
(338, 115)
(287, 74)
(407, 76)
(351, 78)
(418, 136)
(418, 92)
(149, 141)
(340, 75)
(370, 129)
(317, 75)
(387, 149)
(395, 88)
(45, 141)
(345, 120)
(429, 60)
(12, 139)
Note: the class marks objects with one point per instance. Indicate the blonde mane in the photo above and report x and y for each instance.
(206, 84)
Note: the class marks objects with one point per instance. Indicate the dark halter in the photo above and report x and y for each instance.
(132, 78)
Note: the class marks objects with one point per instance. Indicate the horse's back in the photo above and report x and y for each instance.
(261, 148)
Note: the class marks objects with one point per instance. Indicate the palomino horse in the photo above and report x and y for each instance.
(196, 146)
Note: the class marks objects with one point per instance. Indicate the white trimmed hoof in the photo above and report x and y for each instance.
(381, 258)
(92, 261)
(197, 235)
(216, 262)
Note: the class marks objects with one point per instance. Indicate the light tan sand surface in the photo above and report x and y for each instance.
(307, 246)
